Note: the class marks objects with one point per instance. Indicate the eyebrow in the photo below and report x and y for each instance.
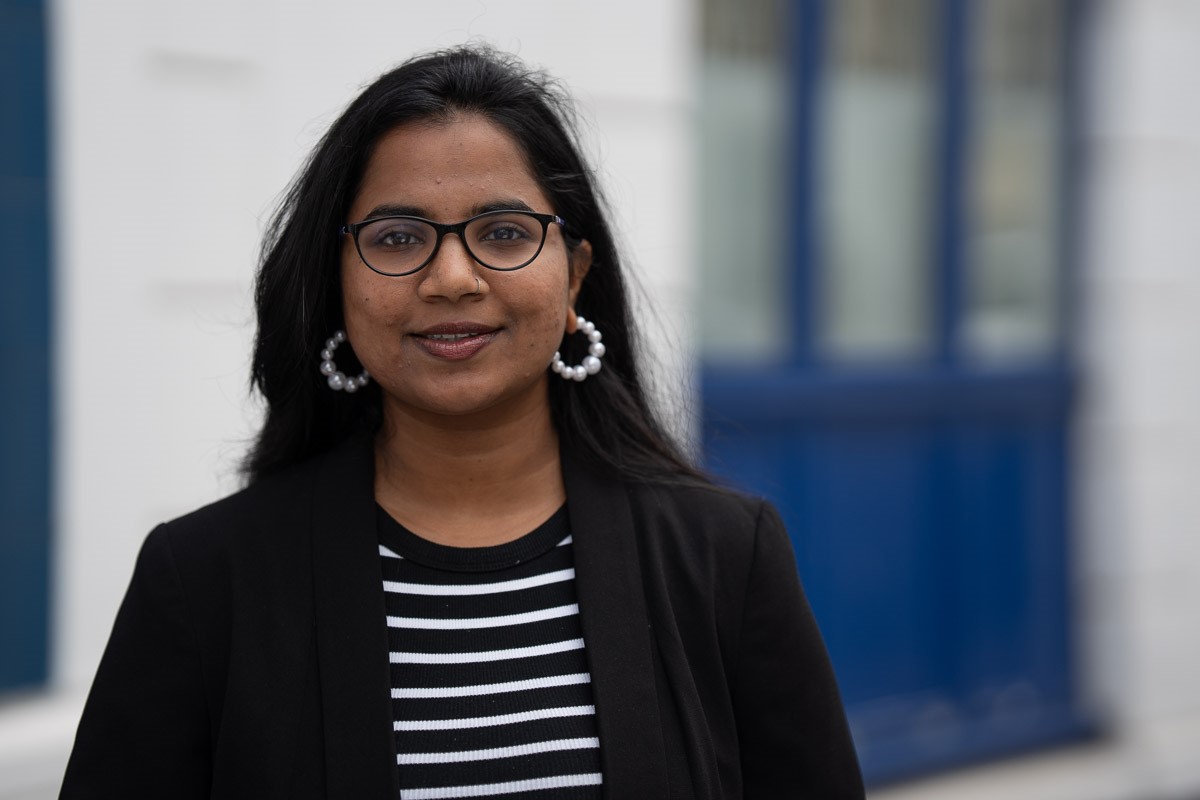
(507, 204)
(502, 204)
(394, 211)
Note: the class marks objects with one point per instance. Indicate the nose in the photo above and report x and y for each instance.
(451, 274)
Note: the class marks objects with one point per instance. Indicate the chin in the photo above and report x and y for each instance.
(477, 403)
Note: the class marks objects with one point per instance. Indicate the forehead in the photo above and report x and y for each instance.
(442, 169)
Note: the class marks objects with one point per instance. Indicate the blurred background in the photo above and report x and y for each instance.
(923, 272)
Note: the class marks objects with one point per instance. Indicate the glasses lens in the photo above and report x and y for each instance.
(505, 239)
(396, 245)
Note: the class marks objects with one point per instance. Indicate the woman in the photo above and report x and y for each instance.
(454, 407)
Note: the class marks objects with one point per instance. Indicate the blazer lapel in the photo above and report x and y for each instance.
(352, 648)
(616, 629)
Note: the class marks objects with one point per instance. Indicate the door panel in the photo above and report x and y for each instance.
(927, 515)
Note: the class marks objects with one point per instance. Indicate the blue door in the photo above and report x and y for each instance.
(24, 346)
(885, 245)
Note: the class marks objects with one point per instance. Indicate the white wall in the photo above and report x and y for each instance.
(176, 126)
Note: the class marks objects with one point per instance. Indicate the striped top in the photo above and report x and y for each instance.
(491, 694)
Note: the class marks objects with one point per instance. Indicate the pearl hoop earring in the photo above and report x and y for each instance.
(339, 381)
(591, 362)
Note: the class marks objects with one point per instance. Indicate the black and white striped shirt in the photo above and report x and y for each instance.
(491, 694)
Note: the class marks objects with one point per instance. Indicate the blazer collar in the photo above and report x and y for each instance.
(616, 629)
(352, 646)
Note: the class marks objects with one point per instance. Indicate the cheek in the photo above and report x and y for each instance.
(550, 327)
(537, 311)
(351, 288)
(553, 300)
(364, 297)
(549, 334)
(369, 313)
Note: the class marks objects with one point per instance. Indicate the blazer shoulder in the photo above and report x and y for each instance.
(707, 522)
(268, 512)
(269, 494)
(703, 507)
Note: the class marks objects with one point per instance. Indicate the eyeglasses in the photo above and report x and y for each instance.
(499, 240)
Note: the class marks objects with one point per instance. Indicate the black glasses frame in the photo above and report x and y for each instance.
(457, 228)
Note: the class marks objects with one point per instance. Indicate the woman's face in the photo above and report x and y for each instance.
(408, 331)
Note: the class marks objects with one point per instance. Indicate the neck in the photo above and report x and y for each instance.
(469, 481)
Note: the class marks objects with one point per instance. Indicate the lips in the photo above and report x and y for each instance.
(454, 341)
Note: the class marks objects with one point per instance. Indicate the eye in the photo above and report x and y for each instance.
(507, 230)
(394, 234)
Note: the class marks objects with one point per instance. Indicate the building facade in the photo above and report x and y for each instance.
(925, 270)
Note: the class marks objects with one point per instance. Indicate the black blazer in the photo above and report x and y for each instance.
(249, 657)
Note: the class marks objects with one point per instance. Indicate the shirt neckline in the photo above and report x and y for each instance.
(409, 545)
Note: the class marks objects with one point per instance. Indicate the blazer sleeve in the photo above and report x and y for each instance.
(792, 732)
(144, 730)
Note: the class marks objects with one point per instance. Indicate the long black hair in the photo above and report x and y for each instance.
(608, 420)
